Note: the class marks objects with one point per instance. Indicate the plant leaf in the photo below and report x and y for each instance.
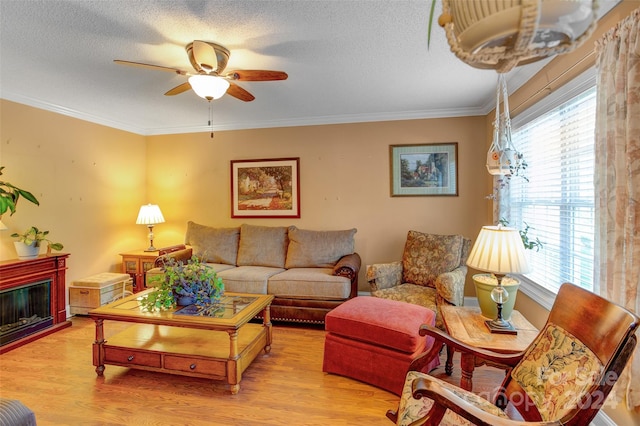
(433, 7)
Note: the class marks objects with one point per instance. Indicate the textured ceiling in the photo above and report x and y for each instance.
(348, 61)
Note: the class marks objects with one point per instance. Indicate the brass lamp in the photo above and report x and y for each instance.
(149, 215)
(500, 251)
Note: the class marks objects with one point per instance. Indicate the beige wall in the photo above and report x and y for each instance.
(344, 180)
(90, 181)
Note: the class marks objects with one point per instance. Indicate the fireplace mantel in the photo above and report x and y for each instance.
(16, 273)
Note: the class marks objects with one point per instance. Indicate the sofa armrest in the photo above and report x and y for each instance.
(384, 275)
(450, 286)
(349, 266)
(184, 255)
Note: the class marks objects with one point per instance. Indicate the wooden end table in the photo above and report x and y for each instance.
(467, 325)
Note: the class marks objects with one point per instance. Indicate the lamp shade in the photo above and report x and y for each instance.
(498, 250)
(208, 86)
(149, 214)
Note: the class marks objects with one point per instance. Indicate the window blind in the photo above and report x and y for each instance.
(558, 200)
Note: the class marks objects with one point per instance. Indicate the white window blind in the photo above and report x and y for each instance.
(558, 201)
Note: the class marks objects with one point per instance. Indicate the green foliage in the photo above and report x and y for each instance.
(192, 279)
(529, 244)
(33, 234)
(10, 194)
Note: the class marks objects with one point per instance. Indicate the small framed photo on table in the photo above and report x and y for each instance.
(265, 188)
(422, 170)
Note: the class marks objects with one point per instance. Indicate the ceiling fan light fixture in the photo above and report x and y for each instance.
(208, 86)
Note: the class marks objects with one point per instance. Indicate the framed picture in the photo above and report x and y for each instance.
(430, 169)
(265, 188)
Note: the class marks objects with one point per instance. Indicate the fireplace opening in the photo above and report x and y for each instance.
(25, 310)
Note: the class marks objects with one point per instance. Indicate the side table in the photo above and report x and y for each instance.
(467, 325)
(137, 263)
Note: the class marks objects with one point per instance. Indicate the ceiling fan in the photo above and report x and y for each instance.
(209, 80)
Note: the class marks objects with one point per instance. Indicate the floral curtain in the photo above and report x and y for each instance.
(617, 179)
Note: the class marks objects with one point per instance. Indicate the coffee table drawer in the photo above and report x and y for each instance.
(129, 356)
(196, 365)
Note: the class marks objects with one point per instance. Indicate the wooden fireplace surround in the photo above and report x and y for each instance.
(16, 273)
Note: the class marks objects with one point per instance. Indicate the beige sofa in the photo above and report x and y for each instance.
(309, 272)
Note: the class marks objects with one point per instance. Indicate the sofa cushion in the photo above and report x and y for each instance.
(309, 283)
(318, 249)
(428, 255)
(262, 246)
(247, 279)
(213, 245)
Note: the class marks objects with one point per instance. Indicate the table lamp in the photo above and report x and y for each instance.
(149, 215)
(500, 251)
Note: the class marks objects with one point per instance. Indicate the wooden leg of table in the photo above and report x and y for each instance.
(98, 348)
(266, 322)
(448, 366)
(467, 364)
(233, 373)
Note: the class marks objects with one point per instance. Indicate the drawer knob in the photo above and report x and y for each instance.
(130, 358)
(192, 366)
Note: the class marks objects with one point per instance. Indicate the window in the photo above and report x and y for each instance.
(558, 200)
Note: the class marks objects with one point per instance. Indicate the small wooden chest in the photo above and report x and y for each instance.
(97, 290)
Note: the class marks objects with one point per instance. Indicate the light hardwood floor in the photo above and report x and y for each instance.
(54, 376)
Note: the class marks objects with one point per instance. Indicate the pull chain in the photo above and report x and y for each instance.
(211, 118)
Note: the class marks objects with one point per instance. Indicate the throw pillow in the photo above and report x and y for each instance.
(318, 249)
(213, 245)
(428, 255)
(262, 246)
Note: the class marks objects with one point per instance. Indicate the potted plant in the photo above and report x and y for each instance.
(29, 242)
(10, 194)
(184, 284)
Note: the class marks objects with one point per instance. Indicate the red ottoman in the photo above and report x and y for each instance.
(374, 340)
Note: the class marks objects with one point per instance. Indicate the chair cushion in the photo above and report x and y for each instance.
(556, 372)
(262, 246)
(415, 294)
(380, 321)
(213, 245)
(318, 249)
(428, 255)
(412, 410)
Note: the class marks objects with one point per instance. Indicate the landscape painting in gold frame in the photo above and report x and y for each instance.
(268, 188)
(422, 170)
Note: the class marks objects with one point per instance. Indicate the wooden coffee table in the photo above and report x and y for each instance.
(219, 344)
(467, 325)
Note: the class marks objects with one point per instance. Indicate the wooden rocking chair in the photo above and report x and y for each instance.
(562, 378)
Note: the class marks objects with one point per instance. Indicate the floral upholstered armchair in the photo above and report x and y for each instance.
(432, 272)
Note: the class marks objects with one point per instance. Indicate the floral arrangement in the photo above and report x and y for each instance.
(193, 280)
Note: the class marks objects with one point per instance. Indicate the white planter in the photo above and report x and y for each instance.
(25, 251)
(484, 284)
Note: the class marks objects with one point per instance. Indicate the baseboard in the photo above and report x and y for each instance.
(471, 301)
(602, 419)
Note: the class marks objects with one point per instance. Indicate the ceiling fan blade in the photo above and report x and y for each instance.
(257, 75)
(239, 93)
(205, 55)
(179, 89)
(154, 67)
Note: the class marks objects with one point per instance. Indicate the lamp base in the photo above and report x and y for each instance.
(500, 326)
(151, 248)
